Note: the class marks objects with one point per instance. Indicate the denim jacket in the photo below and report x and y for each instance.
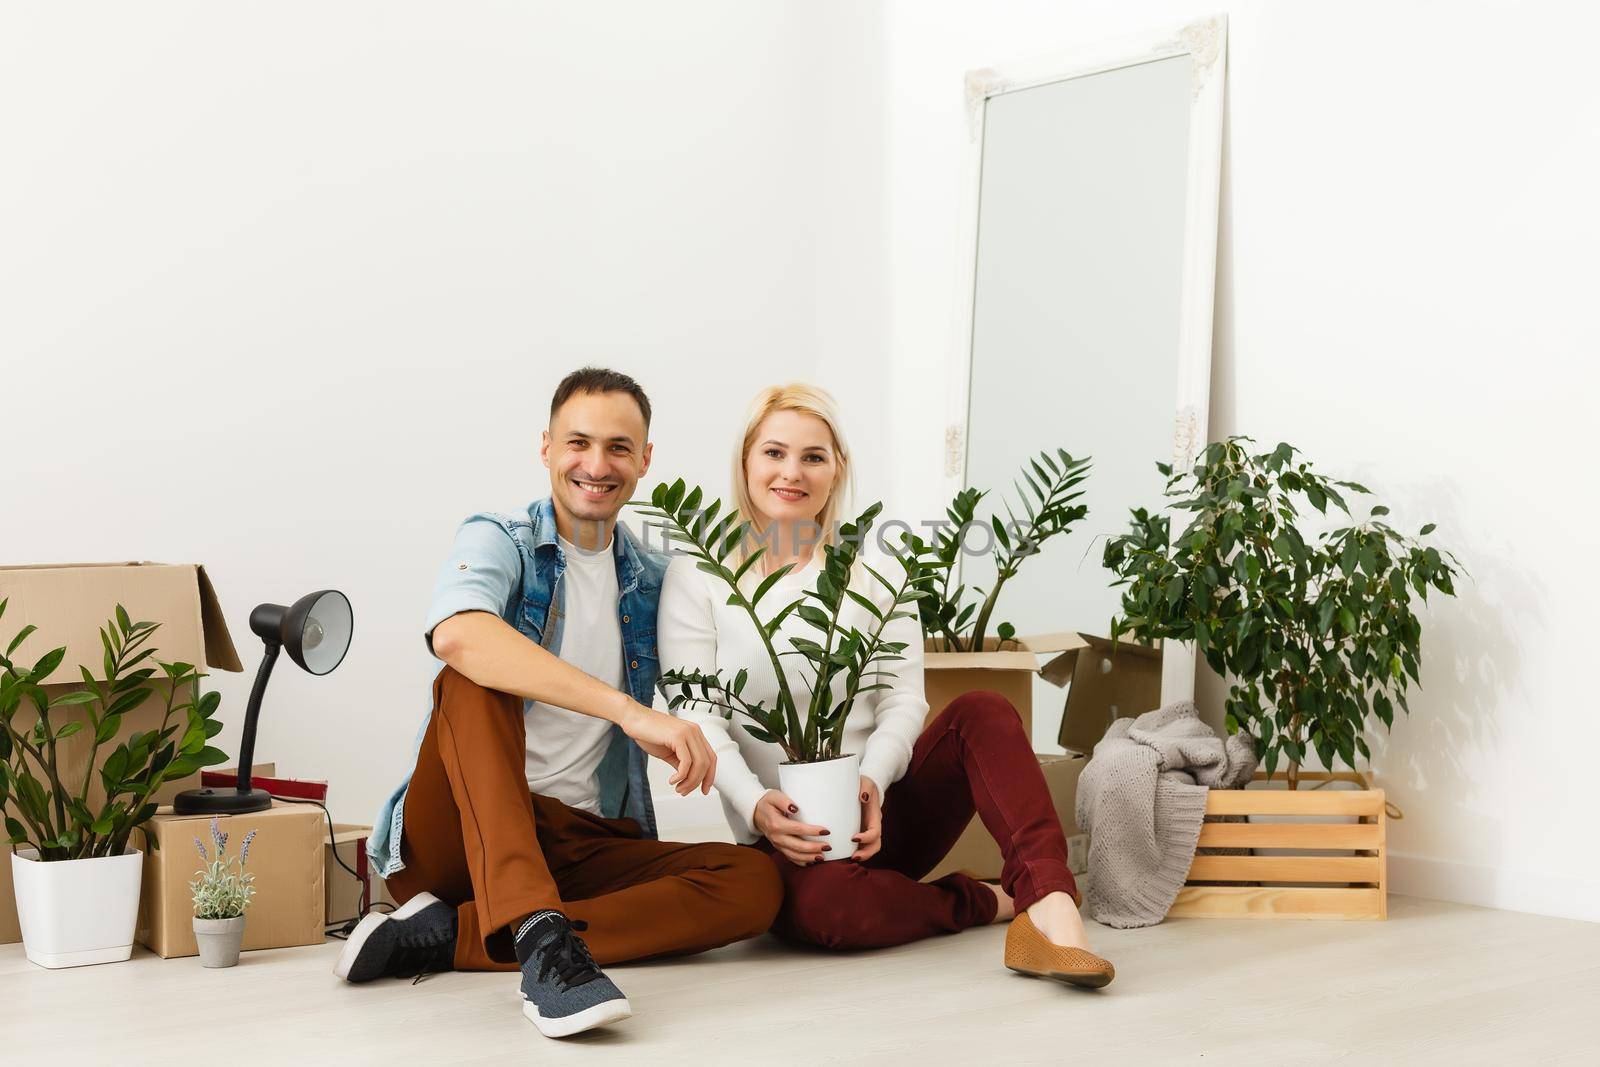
(512, 565)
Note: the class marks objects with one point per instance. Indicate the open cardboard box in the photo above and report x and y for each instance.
(1007, 669)
(69, 603)
(1102, 685)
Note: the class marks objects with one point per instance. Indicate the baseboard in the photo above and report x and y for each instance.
(1494, 887)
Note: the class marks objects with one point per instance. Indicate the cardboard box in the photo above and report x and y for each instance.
(1103, 684)
(351, 895)
(976, 852)
(1007, 670)
(10, 926)
(69, 603)
(286, 857)
(345, 895)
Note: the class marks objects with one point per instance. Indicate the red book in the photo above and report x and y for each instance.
(298, 788)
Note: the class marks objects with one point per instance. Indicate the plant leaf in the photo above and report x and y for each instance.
(22, 635)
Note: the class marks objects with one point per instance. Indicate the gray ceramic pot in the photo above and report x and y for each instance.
(219, 940)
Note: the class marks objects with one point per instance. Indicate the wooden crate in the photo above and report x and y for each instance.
(1302, 882)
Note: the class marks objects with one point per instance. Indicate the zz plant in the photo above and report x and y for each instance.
(55, 816)
(856, 659)
(961, 623)
(1315, 632)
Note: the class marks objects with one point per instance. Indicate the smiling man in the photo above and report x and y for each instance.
(526, 818)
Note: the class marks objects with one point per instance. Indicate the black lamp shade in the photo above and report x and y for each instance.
(316, 631)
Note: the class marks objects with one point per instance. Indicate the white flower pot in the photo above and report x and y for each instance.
(77, 912)
(827, 794)
(219, 940)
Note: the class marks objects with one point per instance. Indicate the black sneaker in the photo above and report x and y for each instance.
(564, 991)
(415, 939)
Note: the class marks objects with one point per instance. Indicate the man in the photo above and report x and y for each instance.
(527, 816)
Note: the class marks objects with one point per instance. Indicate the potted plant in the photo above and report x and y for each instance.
(1315, 631)
(76, 874)
(967, 648)
(957, 622)
(822, 781)
(221, 893)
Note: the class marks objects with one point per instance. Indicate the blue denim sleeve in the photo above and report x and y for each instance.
(482, 574)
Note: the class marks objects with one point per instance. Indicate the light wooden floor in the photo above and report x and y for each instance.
(1436, 983)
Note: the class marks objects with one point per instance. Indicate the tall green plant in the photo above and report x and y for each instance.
(857, 659)
(1052, 486)
(1316, 633)
(54, 815)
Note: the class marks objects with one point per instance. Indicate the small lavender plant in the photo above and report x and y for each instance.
(223, 888)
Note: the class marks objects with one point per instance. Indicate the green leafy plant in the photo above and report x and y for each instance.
(223, 888)
(1315, 633)
(55, 816)
(857, 659)
(961, 624)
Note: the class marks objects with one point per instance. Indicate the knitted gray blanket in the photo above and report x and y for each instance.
(1142, 798)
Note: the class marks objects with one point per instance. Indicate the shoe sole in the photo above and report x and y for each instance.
(370, 922)
(1085, 980)
(611, 1011)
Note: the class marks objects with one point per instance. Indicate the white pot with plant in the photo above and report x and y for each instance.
(77, 875)
(845, 662)
(222, 891)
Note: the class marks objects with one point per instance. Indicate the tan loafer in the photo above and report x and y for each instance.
(1029, 952)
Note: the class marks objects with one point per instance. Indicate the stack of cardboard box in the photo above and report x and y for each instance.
(69, 604)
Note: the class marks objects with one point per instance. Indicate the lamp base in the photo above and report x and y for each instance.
(221, 801)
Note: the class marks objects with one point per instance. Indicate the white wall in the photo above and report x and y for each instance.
(312, 270)
(285, 289)
(1405, 290)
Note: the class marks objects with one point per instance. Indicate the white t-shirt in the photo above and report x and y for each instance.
(564, 747)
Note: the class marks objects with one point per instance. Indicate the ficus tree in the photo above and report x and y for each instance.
(47, 812)
(1316, 632)
(847, 659)
(960, 618)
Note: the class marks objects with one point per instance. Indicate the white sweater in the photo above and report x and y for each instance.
(697, 629)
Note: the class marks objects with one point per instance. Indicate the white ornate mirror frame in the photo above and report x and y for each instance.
(1206, 42)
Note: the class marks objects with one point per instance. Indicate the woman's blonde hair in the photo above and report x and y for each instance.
(808, 400)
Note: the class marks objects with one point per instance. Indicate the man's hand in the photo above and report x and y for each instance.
(870, 839)
(773, 819)
(678, 743)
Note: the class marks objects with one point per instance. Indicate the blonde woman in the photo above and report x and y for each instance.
(919, 786)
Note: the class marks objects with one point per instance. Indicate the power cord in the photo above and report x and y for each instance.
(339, 928)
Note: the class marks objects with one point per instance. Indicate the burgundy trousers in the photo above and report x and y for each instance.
(975, 757)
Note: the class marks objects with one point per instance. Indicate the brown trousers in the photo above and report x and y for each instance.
(476, 838)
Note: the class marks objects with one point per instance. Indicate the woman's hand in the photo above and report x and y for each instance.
(773, 819)
(870, 839)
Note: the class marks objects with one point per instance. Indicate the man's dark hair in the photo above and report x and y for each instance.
(599, 380)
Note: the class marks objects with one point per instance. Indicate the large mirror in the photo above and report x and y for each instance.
(1092, 253)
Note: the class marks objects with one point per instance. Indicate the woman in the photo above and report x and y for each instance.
(919, 787)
